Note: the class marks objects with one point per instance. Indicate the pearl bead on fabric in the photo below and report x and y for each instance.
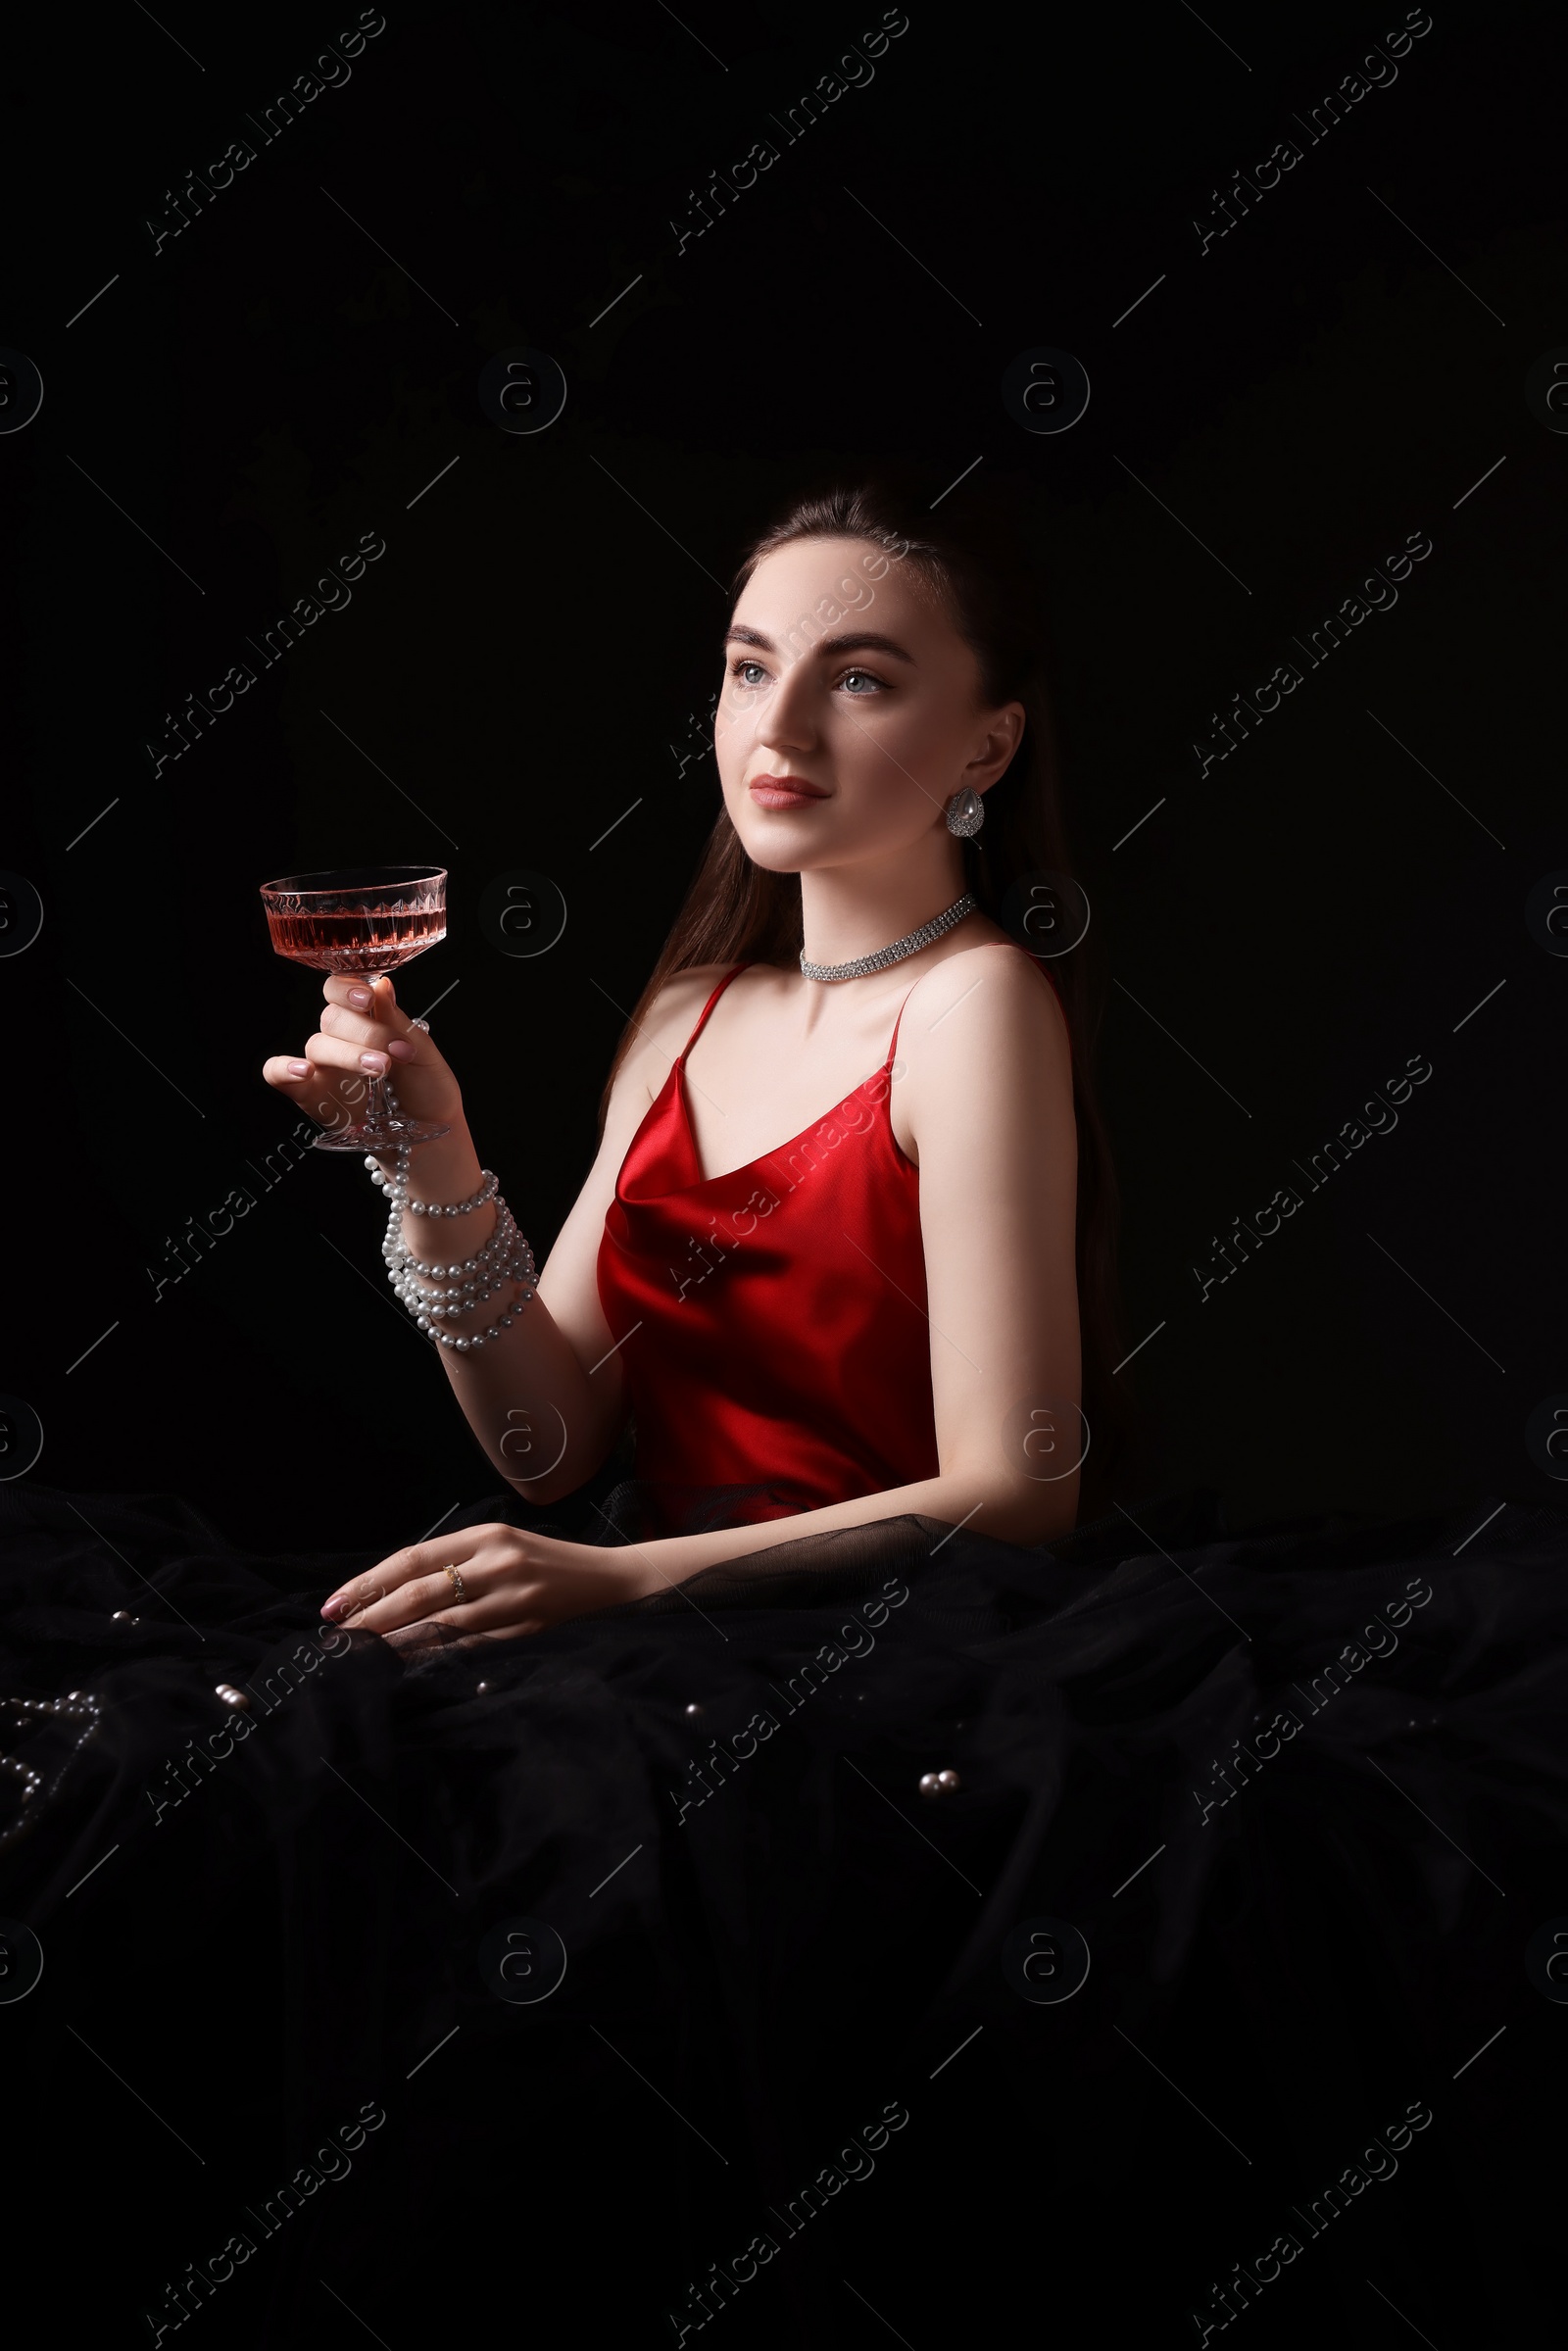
(78, 1706)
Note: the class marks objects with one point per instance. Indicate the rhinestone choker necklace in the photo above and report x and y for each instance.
(863, 965)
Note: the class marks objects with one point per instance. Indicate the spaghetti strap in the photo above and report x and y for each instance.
(894, 1045)
(734, 972)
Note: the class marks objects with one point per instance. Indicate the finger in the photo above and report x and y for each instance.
(432, 1600)
(368, 1003)
(418, 1599)
(363, 1045)
(508, 1610)
(413, 1561)
(503, 1616)
(324, 1058)
(362, 993)
(290, 1073)
(341, 1053)
(363, 1035)
(404, 1042)
(374, 1000)
(375, 1024)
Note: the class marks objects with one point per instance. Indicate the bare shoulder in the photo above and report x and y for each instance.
(992, 999)
(986, 1052)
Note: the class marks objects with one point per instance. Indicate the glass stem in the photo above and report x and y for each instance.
(376, 1113)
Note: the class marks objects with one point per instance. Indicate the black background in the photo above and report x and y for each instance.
(512, 675)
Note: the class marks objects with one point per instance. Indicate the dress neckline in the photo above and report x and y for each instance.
(673, 1094)
(675, 1085)
(779, 1150)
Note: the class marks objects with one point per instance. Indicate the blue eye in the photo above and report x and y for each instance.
(876, 683)
(736, 668)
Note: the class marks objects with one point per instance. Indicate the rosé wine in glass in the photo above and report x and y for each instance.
(362, 918)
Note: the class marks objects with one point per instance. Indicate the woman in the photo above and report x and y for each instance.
(879, 1316)
(808, 1875)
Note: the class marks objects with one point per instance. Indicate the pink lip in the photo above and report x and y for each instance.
(783, 792)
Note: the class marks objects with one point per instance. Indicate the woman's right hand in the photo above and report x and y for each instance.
(364, 1034)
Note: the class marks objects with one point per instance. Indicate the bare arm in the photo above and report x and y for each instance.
(546, 1400)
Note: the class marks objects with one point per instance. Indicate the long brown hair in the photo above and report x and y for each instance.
(736, 912)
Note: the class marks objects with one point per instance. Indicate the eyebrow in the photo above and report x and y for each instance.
(857, 641)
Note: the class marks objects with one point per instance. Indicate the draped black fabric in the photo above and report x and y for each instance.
(823, 2065)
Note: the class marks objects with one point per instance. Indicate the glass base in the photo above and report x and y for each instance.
(382, 1136)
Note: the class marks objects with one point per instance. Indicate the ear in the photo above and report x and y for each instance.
(1003, 734)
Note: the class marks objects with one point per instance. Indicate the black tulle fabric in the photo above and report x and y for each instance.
(768, 1953)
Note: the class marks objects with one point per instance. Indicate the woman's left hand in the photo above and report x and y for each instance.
(510, 1582)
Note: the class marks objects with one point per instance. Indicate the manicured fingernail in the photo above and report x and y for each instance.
(401, 1049)
(359, 998)
(335, 1606)
(299, 1069)
(376, 1063)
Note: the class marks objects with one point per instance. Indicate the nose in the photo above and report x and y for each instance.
(785, 720)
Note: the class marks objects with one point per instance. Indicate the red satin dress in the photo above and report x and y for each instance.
(771, 1322)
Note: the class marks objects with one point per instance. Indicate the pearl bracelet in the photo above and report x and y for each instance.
(488, 1187)
(471, 1281)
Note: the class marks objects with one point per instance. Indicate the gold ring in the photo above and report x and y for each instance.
(457, 1582)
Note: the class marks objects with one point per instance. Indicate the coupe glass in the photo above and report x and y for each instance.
(365, 918)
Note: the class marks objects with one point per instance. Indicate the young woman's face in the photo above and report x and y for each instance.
(851, 710)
